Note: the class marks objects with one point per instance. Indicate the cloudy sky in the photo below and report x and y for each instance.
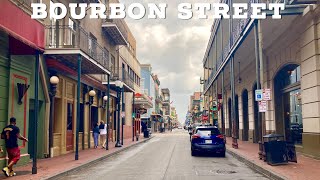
(175, 49)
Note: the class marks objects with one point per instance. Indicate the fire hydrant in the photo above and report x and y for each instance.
(137, 135)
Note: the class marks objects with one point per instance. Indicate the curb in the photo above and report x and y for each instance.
(89, 163)
(258, 168)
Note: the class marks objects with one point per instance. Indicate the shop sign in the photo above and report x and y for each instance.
(262, 106)
(267, 94)
(259, 95)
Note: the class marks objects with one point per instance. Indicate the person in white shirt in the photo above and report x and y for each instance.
(103, 133)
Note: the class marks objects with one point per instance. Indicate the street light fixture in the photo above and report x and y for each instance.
(92, 93)
(54, 81)
(119, 86)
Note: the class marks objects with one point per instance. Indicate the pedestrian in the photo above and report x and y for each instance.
(11, 134)
(103, 133)
(95, 135)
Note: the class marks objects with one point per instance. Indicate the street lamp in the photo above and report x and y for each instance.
(119, 86)
(54, 81)
(92, 93)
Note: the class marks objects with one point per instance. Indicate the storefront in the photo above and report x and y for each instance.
(20, 48)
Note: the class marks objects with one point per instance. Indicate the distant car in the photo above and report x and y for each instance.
(179, 127)
(207, 139)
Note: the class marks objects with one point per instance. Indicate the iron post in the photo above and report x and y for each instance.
(108, 113)
(76, 157)
(36, 110)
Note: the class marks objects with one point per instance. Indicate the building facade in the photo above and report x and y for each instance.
(277, 55)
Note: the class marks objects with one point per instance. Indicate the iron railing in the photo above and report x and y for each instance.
(237, 30)
(75, 37)
(120, 24)
(122, 75)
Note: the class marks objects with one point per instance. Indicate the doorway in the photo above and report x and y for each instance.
(70, 122)
(237, 115)
(288, 109)
(245, 116)
(223, 125)
(94, 116)
(229, 117)
(31, 125)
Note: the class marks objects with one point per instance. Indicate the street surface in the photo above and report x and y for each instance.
(166, 157)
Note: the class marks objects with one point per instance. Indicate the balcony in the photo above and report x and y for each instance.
(159, 99)
(240, 31)
(122, 75)
(117, 30)
(166, 102)
(66, 43)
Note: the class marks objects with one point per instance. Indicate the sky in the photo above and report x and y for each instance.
(175, 48)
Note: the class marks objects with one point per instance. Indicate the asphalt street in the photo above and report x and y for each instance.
(166, 157)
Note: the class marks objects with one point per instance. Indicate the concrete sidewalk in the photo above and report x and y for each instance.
(306, 168)
(54, 167)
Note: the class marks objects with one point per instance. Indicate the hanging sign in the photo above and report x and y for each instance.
(267, 95)
(259, 95)
(262, 106)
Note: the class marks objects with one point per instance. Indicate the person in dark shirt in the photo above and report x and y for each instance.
(96, 132)
(11, 134)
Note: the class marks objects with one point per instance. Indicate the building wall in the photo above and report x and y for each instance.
(298, 45)
(20, 69)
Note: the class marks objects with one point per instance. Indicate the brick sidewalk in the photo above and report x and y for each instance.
(53, 166)
(306, 168)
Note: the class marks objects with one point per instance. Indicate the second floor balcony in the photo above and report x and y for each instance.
(67, 43)
(122, 75)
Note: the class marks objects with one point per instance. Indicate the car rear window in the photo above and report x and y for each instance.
(208, 132)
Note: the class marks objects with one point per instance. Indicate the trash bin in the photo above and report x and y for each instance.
(146, 133)
(275, 149)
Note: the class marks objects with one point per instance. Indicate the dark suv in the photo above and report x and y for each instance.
(207, 139)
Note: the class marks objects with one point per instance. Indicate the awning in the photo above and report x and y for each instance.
(19, 25)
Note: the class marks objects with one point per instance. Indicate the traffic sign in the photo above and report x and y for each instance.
(263, 106)
(259, 95)
(123, 114)
(267, 94)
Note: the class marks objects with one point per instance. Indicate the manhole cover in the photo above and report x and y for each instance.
(220, 171)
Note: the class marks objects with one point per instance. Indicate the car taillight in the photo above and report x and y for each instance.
(195, 136)
(220, 136)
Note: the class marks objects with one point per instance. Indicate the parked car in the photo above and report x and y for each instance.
(207, 139)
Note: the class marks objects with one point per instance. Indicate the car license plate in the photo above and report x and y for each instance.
(208, 141)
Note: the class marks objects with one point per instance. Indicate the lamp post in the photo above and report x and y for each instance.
(54, 81)
(122, 116)
(92, 93)
(119, 85)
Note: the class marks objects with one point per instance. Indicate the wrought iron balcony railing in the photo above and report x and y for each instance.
(117, 30)
(75, 37)
(122, 75)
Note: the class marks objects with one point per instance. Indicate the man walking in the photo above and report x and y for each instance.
(11, 134)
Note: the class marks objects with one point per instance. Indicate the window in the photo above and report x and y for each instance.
(92, 46)
(70, 34)
(208, 132)
(106, 57)
(69, 116)
(113, 64)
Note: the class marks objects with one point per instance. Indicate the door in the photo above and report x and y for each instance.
(70, 118)
(245, 116)
(229, 117)
(237, 115)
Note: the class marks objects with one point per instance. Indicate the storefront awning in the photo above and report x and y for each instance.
(18, 24)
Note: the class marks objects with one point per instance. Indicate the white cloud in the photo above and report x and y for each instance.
(175, 48)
